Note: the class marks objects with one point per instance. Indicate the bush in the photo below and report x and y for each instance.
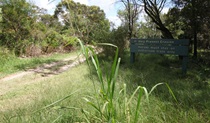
(51, 42)
(33, 50)
(117, 37)
(69, 42)
(5, 55)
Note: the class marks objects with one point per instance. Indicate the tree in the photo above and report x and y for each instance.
(148, 29)
(130, 15)
(82, 21)
(153, 9)
(99, 26)
(1, 20)
(18, 20)
(50, 22)
(176, 23)
(195, 15)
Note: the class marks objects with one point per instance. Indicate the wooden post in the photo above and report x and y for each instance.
(132, 57)
(184, 64)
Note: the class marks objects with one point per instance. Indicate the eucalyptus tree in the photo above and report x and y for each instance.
(99, 25)
(130, 15)
(153, 9)
(190, 19)
(81, 20)
(51, 22)
(18, 19)
(1, 20)
(148, 29)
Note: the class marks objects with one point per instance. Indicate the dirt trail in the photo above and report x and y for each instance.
(17, 87)
(16, 80)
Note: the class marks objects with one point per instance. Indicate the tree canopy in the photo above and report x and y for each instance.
(190, 19)
(82, 21)
(24, 25)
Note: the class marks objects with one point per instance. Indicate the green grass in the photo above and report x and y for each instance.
(44, 92)
(11, 64)
(192, 92)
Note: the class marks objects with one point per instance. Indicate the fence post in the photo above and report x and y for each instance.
(132, 57)
(184, 64)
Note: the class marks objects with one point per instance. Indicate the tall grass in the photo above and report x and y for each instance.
(104, 101)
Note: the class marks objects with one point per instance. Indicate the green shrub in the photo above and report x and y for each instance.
(117, 37)
(51, 42)
(4, 53)
(69, 42)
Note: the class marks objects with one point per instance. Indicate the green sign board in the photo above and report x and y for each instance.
(161, 46)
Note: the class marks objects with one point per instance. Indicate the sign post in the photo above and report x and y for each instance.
(178, 47)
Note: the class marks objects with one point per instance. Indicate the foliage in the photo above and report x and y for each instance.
(117, 37)
(130, 15)
(148, 29)
(5, 55)
(175, 23)
(51, 22)
(84, 22)
(189, 19)
(153, 10)
(14, 32)
(35, 29)
(53, 38)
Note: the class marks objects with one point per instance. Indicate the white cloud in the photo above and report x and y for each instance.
(82, 1)
(165, 10)
(49, 6)
(44, 4)
(115, 20)
(105, 5)
(109, 6)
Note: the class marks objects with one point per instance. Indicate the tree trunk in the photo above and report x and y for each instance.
(195, 41)
(166, 34)
(194, 29)
(153, 10)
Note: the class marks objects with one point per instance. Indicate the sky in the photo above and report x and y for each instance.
(109, 6)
